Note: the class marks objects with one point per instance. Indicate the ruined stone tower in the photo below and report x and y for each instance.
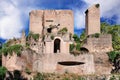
(92, 20)
(40, 19)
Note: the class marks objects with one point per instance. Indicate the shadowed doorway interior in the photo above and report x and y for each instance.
(57, 46)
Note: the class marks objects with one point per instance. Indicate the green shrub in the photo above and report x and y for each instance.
(39, 76)
(3, 71)
(113, 78)
(78, 46)
(97, 5)
(27, 71)
(81, 78)
(71, 47)
(17, 48)
(63, 31)
(112, 55)
(76, 38)
(96, 35)
(52, 37)
(32, 35)
(66, 79)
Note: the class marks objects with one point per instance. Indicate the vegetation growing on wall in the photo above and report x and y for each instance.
(63, 31)
(52, 37)
(76, 38)
(17, 48)
(79, 41)
(71, 47)
(96, 35)
(32, 35)
(28, 71)
(97, 5)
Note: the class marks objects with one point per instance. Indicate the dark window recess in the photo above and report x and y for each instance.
(49, 30)
(49, 20)
(70, 63)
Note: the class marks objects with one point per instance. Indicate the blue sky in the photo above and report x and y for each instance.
(14, 14)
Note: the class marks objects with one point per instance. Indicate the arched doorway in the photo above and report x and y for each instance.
(57, 45)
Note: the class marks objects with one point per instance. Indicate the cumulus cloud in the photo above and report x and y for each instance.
(79, 19)
(10, 23)
(14, 15)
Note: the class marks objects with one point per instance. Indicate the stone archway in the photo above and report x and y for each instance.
(57, 45)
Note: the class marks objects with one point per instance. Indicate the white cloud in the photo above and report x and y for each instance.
(10, 23)
(79, 19)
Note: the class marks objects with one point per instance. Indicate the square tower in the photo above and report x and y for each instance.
(92, 20)
(45, 18)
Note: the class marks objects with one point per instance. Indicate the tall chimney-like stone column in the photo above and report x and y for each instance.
(92, 20)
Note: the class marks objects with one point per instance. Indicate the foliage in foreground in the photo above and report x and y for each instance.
(112, 55)
(39, 76)
(3, 70)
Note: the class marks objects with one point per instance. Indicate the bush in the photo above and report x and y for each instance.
(3, 71)
(113, 78)
(39, 76)
(81, 78)
(66, 79)
(63, 31)
(96, 35)
(27, 71)
(32, 35)
(52, 37)
(97, 5)
(78, 46)
(112, 55)
(76, 38)
(72, 47)
(17, 48)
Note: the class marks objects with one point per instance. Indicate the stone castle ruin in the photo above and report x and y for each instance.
(49, 23)
(50, 53)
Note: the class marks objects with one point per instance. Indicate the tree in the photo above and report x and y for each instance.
(114, 30)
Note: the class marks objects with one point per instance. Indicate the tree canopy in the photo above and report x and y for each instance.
(114, 30)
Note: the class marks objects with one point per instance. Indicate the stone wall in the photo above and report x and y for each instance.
(14, 62)
(40, 18)
(92, 19)
(101, 44)
(84, 64)
(50, 63)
